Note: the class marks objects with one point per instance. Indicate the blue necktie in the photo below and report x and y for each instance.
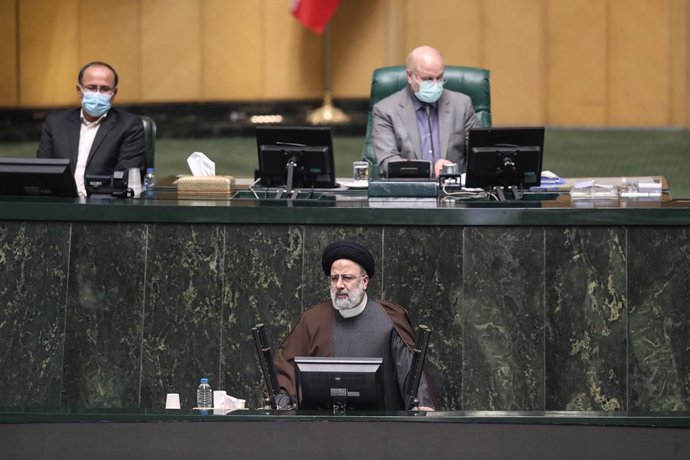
(427, 110)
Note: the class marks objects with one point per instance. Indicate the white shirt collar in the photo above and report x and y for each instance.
(91, 123)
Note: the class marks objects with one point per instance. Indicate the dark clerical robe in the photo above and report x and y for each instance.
(382, 330)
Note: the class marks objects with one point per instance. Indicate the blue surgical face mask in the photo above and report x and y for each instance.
(95, 103)
(429, 91)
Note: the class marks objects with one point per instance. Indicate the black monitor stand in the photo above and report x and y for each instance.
(288, 192)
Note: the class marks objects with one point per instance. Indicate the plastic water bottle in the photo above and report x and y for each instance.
(149, 179)
(204, 394)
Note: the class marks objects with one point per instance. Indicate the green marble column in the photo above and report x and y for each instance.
(659, 331)
(503, 309)
(585, 351)
(34, 260)
(102, 361)
(422, 271)
(263, 284)
(183, 314)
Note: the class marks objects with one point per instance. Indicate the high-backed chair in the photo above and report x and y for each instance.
(149, 140)
(385, 81)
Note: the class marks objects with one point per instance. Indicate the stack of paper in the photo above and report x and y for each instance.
(641, 187)
(590, 189)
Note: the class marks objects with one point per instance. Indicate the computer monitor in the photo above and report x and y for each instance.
(37, 176)
(308, 151)
(504, 157)
(339, 384)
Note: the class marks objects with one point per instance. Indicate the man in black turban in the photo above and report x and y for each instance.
(363, 327)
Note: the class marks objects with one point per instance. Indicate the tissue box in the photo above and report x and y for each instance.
(206, 185)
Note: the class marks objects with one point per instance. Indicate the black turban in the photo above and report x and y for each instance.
(350, 250)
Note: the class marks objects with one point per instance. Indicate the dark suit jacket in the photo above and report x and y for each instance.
(119, 142)
(395, 134)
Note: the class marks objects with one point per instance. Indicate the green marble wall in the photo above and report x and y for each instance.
(523, 318)
(34, 262)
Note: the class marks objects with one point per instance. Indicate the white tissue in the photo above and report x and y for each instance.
(232, 403)
(223, 403)
(201, 165)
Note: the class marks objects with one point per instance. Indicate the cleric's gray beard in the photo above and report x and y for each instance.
(353, 299)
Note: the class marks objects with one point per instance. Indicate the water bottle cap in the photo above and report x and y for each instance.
(204, 380)
(149, 170)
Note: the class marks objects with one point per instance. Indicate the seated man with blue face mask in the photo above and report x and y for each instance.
(97, 139)
(423, 121)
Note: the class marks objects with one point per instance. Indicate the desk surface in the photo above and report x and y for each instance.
(437, 436)
(619, 418)
(166, 206)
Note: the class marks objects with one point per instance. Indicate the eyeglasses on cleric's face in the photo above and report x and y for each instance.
(347, 279)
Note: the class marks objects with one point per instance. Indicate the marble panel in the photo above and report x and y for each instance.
(33, 289)
(503, 318)
(102, 359)
(659, 318)
(183, 315)
(585, 319)
(422, 271)
(262, 284)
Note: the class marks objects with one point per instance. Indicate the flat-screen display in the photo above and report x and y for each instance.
(339, 384)
(308, 151)
(37, 176)
(504, 157)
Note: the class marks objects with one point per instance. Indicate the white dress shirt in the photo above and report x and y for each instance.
(87, 134)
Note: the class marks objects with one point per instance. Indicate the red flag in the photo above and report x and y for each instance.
(314, 14)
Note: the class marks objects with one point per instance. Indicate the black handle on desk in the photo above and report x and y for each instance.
(263, 352)
(417, 367)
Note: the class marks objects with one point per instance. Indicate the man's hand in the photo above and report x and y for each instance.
(439, 164)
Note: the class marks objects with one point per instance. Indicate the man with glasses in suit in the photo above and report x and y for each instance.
(423, 121)
(354, 325)
(97, 138)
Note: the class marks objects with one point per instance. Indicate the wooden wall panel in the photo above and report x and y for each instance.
(171, 50)
(292, 59)
(8, 53)
(452, 26)
(515, 53)
(680, 59)
(639, 40)
(576, 70)
(110, 32)
(396, 32)
(48, 52)
(559, 62)
(358, 45)
(232, 50)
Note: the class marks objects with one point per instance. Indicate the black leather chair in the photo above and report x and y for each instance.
(385, 81)
(149, 140)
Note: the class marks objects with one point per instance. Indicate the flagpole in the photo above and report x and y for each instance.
(327, 114)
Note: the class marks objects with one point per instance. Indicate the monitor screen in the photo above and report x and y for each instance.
(309, 148)
(37, 176)
(503, 157)
(336, 384)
